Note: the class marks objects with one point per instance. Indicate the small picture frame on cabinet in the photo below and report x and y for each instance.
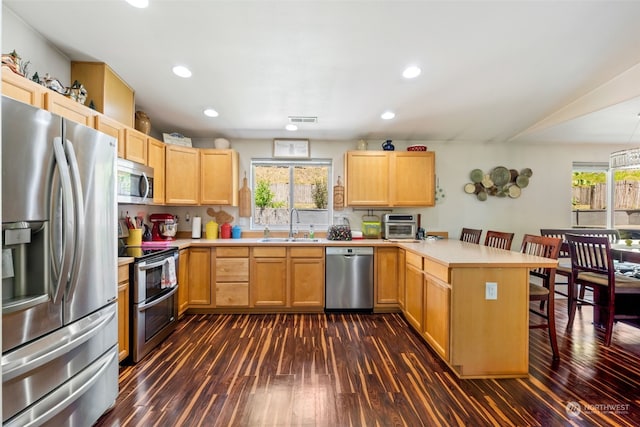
(291, 148)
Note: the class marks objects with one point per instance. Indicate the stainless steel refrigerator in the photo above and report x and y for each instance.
(59, 270)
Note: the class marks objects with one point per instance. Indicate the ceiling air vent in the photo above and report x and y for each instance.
(303, 119)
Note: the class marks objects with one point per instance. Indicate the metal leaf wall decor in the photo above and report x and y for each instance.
(499, 182)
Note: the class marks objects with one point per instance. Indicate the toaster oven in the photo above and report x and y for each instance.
(399, 226)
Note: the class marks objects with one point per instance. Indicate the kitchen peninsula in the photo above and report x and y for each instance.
(439, 285)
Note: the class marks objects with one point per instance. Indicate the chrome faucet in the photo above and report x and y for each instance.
(291, 234)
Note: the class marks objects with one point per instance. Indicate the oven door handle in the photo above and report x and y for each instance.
(146, 306)
(143, 266)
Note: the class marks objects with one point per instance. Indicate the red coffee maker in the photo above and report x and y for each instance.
(165, 226)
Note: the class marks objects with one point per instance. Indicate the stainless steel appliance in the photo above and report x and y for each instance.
(349, 278)
(59, 265)
(154, 296)
(399, 226)
(135, 183)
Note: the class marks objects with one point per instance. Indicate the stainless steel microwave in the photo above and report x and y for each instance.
(135, 183)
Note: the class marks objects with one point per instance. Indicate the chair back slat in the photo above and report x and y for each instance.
(548, 247)
(470, 235)
(498, 239)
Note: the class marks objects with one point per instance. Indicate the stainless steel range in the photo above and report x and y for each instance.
(153, 279)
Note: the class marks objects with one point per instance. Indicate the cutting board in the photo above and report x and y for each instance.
(244, 202)
(338, 196)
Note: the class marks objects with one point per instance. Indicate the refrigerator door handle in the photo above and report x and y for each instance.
(67, 219)
(55, 347)
(55, 403)
(80, 233)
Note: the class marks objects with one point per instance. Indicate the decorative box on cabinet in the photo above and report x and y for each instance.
(109, 93)
(183, 173)
(123, 311)
(22, 89)
(306, 277)
(232, 276)
(218, 177)
(269, 276)
(156, 158)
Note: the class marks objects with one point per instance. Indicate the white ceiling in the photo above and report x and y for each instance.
(503, 71)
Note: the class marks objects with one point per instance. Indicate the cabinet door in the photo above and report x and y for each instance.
(183, 170)
(123, 312)
(22, 89)
(367, 178)
(68, 108)
(412, 179)
(307, 282)
(437, 311)
(414, 296)
(218, 177)
(401, 276)
(111, 127)
(269, 282)
(135, 146)
(183, 281)
(199, 277)
(156, 160)
(386, 276)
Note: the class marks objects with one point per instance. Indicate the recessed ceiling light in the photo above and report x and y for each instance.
(210, 112)
(291, 127)
(182, 71)
(387, 115)
(411, 72)
(141, 4)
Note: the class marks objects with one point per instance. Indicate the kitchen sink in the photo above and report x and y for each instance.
(287, 239)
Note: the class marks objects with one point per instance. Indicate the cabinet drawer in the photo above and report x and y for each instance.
(307, 252)
(437, 270)
(232, 270)
(232, 294)
(279, 252)
(232, 252)
(413, 259)
(123, 273)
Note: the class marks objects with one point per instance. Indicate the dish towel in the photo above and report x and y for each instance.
(168, 279)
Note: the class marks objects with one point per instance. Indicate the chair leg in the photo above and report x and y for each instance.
(572, 304)
(581, 295)
(551, 322)
(609, 324)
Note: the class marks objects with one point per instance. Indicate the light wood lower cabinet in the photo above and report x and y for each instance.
(232, 276)
(414, 291)
(183, 281)
(269, 276)
(200, 277)
(437, 315)
(401, 277)
(386, 281)
(306, 277)
(123, 312)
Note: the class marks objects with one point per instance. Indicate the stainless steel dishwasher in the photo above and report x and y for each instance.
(349, 278)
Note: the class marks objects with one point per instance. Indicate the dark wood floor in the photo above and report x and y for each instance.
(368, 370)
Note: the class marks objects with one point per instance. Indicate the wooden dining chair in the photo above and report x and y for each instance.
(470, 235)
(542, 284)
(592, 267)
(498, 239)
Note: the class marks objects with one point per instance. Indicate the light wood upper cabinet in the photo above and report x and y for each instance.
(109, 93)
(68, 108)
(390, 178)
(156, 159)
(135, 146)
(218, 177)
(367, 178)
(182, 175)
(412, 178)
(111, 127)
(22, 89)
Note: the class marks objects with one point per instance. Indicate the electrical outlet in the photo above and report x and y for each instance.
(491, 290)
